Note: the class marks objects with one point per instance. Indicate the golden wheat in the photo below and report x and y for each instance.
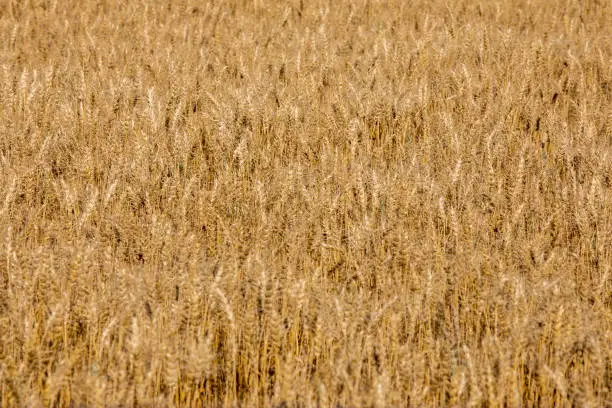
(305, 203)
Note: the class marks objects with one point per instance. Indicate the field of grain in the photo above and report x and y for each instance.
(305, 203)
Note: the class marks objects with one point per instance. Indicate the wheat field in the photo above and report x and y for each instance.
(305, 203)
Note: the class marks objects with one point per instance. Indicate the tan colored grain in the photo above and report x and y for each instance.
(305, 203)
